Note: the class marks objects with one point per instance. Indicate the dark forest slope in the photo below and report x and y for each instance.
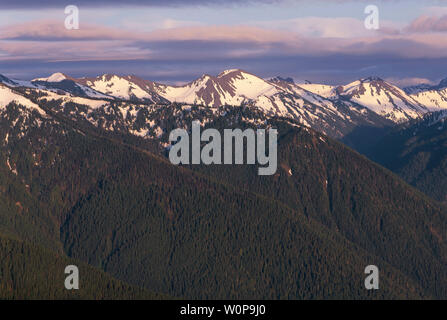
(30, 272)
(222, 231)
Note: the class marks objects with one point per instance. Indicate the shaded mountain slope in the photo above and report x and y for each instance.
(418, 153)
(353, 196)
(207, 240)
(225, 232)
(28, 271)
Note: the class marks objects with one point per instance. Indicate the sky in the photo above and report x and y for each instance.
(323, 41)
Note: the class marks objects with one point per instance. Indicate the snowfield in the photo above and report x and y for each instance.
(8, 96)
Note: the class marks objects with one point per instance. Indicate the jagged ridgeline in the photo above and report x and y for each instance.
(114, 201)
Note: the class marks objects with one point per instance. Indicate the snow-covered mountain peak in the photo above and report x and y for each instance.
(233, 72)
(323, 90)
(433, 97)
(203, 79)
(230, 87)
(383, 98)
(374, 84)
(312, 104)
(55, 77)
(114, 79)
(123, 87)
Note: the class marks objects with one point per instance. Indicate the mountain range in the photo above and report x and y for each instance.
(333, 110)
(84, 179)
(361, 114)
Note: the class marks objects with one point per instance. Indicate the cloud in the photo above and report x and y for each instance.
(435, 10)
(319, 26)
(32, 4)
(46, 30)
(312, 48)
(173, 23)
(51, 39)
(49, 30)
(412, 81)
(428, 24)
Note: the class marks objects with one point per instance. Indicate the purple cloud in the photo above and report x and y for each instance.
(183, 53)
(32, 4)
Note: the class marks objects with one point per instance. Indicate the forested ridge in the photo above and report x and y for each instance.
(417, 152)
(306, 232)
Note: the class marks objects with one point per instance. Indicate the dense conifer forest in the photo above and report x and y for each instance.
(124, 213)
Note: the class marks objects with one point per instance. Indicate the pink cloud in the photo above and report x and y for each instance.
(428, 24)
(50, 40)
(55, 30)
